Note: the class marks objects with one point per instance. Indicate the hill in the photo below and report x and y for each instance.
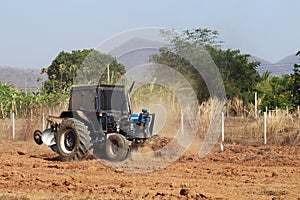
(23, 79)
(284, 66)
(137, 51)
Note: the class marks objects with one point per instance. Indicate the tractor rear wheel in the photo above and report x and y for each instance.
(116, 148)
(73, 140)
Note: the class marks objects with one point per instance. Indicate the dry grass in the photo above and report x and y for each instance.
(24, 127)
(210, 117)
(210, 124)
(282, 129)
(237, 131)
(235, 107)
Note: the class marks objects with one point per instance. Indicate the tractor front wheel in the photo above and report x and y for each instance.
(116, 148)
(73, 140)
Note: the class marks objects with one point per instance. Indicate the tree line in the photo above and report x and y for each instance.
(240, 77)
(64, 71)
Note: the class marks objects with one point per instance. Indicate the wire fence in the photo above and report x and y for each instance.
(274, 127)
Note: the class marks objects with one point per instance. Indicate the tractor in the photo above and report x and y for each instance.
(99, 118)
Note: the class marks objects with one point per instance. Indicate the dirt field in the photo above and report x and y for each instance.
(29, 171)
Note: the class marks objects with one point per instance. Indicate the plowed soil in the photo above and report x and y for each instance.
(29, 171)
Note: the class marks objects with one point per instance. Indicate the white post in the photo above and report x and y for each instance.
(255, 106)
(270, 114)
(265, 128)
(287, 110)
(31, 114)
(228, 109)
(181, 123)
(223, 129)
(13, 123)
(43, 121)
(298, 111)
(276, 110)
(108, 77)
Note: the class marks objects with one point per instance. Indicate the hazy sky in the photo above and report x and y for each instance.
(33, 32)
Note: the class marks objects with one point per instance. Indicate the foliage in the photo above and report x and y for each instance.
(7, 98)
(62, 73)
(81, 66)
(274, 92)
(281, 91)
(199, 37)
(174, 61)
(149, 94)
(21, 103)
(294, 84)
(94, 69)
(239, 76)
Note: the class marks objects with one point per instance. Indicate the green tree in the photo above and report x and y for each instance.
(275, 92)
(73, 71)
(167, 57)
(59, 74)
(61, 69)
(239, 76)
(85, 65)
(280, 91)
(7, 95)
(94, 69)
(264, 87)
(295, 83)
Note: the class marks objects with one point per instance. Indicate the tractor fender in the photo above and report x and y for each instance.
(79, 115)
(74, 114)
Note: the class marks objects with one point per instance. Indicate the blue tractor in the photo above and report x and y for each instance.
(99, 118)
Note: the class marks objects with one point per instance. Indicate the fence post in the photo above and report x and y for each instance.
(43, 121)
(223, 129)
(255, 106)
(265, 128)
(181, 123)
(31, 115)
(12, 117)
(228, 110)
